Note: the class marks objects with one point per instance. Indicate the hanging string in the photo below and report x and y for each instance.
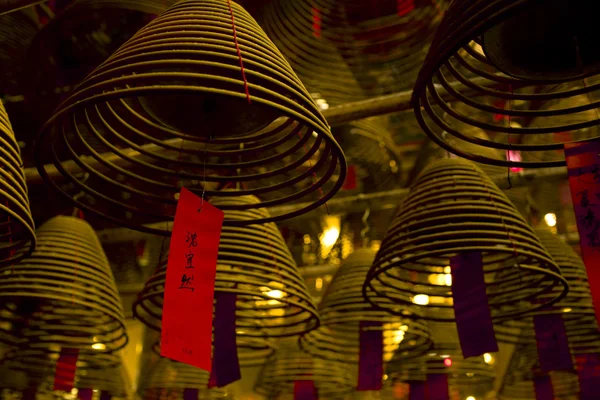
(237, 47)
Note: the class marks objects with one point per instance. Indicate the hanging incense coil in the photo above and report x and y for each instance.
(576, 307)
(144, 105)
(62, 296)
(375, 48)
(171, 378)
(255, 264)
(518, 383)
(472, 373)
(463, 81)
(369, 147)
(79, 39)
(343, 308)
(17, 230)
(288, 365)
(17, 30)
(453, 207)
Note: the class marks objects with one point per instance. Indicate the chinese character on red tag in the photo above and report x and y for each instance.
(189, 288)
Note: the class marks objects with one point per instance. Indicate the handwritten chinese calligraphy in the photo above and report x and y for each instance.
(583, 164)
(189, 288)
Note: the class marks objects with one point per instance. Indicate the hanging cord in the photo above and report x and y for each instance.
(366, 227)
(77, 211)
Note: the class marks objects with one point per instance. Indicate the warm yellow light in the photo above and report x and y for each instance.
(421, 299)
(487, 357)
(385, 377)
(398, 336)
(98, 346)
(550, 219)
(330, 236)
(470, 398)
(306, 239)
(448, 280)
(404, 328)
(319, 283)
(444, 356)
(567, 309)
(276, 294)
(74, 391)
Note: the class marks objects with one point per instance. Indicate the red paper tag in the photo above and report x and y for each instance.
(66, 366)
(583, 164)
(350, 182)
(189, 288)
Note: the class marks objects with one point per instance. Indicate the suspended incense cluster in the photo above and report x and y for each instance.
(344, 312)
(290, 371)
(444, 368)
(454, 208)
(200, 97)
(485, 68)
(524, 379)
(17, 236)
(76, 41)
(17, 30)
(167, 378)
(255, 265)
(576, 308)
(374, 46)
(63, 296)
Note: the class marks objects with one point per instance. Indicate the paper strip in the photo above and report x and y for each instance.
(190, 394)
(437, 387)
(305, 390)
(85, 393)
(588, 371)
(471, 308)
(66, 366)
(226, 365)
(417, 390)
(543, 387)
(552, 343)
(370, 356)
(188, 302)
(583, 165)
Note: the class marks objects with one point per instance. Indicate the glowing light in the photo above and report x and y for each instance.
(319, 283)
(276, 294)
(514, 155)
(322, 103)
(74, 391)
(470, 398)
(98, 346)
(421, 299)
(567, 309)
(385, 377)
(550, 219)
(470, 374)
(404, 328)
(306, 239)
(330, 236)
(448, 280)
(398, 336)
(487, 357)
(95, 390)
(448, 362)
(445, 356)
(432, 354)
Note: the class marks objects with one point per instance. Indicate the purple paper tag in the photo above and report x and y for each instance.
(305, 390)
(29, 394)
(471, 308)
(552, 343)
(543, 387)
(225, 362)
(104, 395)
(437, 387)
(85, 393)
(588, 371)
(190, 394)
(370, 356)
(416, 390)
